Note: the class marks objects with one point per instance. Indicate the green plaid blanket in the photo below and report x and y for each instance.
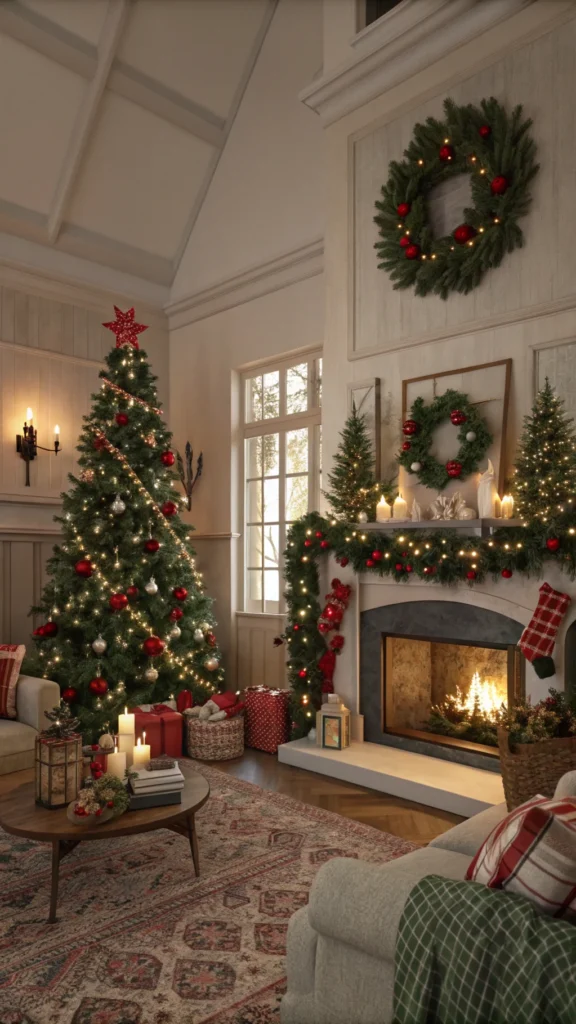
(466, 954)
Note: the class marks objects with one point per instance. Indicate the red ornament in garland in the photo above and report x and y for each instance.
(370, 563)
(429, 570)
(84, 568)
(446, 153)
(122, 419)
(485, 131)
(399, 567)
(308, 543)
(405, 241)
(343, 561)
(132, 592)
(153, 646)
(169, 509)
(180, 593)
(167, 458)
(125, 329)
(70, 694)
(324, 544)
(464, 233)
(412, 252)
(553, 543)
(98, 686)
(403, 209)
(499, 185)
(471, 574)
(302, 673)
(408, 568)
(118, 601)
(457, 417)
(410, 427)
(377, 556)
(50, 628)
(152, 545)
(176, 614)
(454, 468)
(507, 573)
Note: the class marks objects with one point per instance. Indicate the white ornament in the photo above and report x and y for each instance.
(470, 436)
(151, 675)
(312, 735)
(175, 632)
(118, 507)
(487, 493)
(198, 636)
(151, 587)
(416, 467)
(416, 512)
(99, 645)
(211, 663)
(106, 742)
(362, 517)
(205, 626)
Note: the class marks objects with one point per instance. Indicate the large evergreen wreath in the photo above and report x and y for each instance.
(473, 436)
(498, 153)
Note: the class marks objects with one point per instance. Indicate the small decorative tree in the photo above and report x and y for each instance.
(352, 483)
(544, 481)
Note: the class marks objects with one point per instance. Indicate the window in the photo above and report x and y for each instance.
(282, 469)
(375, 9)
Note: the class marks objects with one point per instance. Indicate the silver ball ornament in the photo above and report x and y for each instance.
(211, 664)
(151, 675)
(198, 636)
(470, 436)
(175, 632)
(416, 467)
(151, 587)
(118, 507)
(99, 645)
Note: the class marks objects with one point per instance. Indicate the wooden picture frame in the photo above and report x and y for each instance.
(365, 395)
(502, 422)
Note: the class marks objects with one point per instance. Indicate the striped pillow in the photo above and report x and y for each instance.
(11, 657)
(532, 852)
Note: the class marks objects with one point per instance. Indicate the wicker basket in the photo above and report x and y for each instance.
(215, 741)
(532, 768)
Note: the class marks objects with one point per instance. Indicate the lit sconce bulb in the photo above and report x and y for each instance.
(57, 431)
(29, 416)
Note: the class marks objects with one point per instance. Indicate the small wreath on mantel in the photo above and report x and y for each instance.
(473, 436)
(498, 153)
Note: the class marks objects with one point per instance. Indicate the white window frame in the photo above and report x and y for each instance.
(282, 424)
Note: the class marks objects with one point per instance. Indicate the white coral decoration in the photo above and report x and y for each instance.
(451, 508)
(416, 512)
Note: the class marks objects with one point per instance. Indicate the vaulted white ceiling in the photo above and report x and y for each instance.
(113, 119)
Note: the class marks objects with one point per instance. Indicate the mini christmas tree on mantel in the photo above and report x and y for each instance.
(354, 491)
(127, 619)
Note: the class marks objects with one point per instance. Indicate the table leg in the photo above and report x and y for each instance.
(54, 883)
(193, 843)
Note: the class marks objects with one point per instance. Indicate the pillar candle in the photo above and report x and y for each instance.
(400, 508)
(507, 506)
(117, 763)
(141, 753)
(383, 511)
(126, 746)
(126, 724)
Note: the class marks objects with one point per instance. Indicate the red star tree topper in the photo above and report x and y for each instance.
(125, 329)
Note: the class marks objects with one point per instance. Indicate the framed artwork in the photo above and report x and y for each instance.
(488, 387)
(365, 395)
(558, 363)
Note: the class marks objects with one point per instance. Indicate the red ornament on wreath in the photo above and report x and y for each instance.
(499, 185)
(454, 468)
(84, 568)
(507, 573)
(308, 543)
(50, 628)
(446, 153)
(410, 427)
(153, 646)
(471, 574)
(152, 545)
(132, 592)
(176, 614)
(412, 252)
(553, 543)
(377, 556)
(484, 131)
(70, 694)
(405, 241)
(167, 458)
(464, 233)
(98, 686)
(118, 601)
(403, 209)
(121, 419)
(457, 417)
(180, 593)
(324, 544)
(169, 509)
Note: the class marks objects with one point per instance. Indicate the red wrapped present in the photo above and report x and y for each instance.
(172, 723)
(267, 720)
(150, 723)
(184, 700)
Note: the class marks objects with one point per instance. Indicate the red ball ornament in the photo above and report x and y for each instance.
(308, 543)
(210, 639)
(39, 631)
(302, 673)
(370, 563)
(471, 574)
(69, 694)
(485, 131)
(507, 573)
(429, 570)
(412, 252)
(295, 627)
(454, 468)
(406, 446)
(324, 544)
(99, 443)
(446, 153)
(98, 686)
(410, 427)
(464, 233)
(167, 458)
(84, 568)
(169, 509)
(132, 592)
(457, 417)
(50, 629)
(110, 804)
(152, 545)
(408, 568)
(405, 241)
(499, 185)
(153, 646)
(377, 556)
(403, 209)
(552, 544)
(399, 567)
(118, 601)
(343, 561)
(180, 593)
(176, 614)
(319, 534)
(121, 419)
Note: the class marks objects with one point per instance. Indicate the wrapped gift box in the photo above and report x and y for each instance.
(267, 720)
(150, 723)
(163, 728)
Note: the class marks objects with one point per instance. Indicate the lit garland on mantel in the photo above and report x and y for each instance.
(430, 556)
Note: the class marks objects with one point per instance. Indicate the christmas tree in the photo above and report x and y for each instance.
(545, 473)
(127, 620)
(353, 487)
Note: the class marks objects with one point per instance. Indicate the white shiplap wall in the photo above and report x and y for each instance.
(52, 344)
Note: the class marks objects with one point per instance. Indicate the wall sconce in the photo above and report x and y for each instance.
(27, 444)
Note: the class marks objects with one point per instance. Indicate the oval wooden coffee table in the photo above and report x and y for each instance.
(21, 816)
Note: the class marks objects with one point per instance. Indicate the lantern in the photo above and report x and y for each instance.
(58, 769)
(333, 724)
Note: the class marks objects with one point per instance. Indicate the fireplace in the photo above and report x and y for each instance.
(420, 658)
(447, 691)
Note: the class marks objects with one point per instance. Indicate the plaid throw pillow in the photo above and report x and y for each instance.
(11, 657)
(533, 853)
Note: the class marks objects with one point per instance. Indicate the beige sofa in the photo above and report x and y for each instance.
(341, 946)
(17, 735)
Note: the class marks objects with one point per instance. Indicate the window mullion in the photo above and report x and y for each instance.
(282, 509)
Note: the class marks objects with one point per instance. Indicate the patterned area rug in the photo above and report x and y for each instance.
(141, 941)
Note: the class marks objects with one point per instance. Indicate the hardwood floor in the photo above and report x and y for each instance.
(410, 821)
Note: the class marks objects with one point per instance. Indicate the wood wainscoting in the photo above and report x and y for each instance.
(23, 557)
(259, 662)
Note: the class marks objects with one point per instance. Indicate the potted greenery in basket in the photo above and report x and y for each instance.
(537, 745)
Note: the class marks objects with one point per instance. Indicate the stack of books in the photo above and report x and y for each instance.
(156, 788)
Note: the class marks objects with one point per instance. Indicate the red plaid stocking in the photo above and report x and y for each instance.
(538, 639)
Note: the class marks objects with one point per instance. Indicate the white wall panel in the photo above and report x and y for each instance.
(260, 663)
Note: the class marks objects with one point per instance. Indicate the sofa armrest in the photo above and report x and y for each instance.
(33, 698)
(361, 904)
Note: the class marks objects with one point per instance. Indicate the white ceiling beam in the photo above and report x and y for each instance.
(107, 45)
